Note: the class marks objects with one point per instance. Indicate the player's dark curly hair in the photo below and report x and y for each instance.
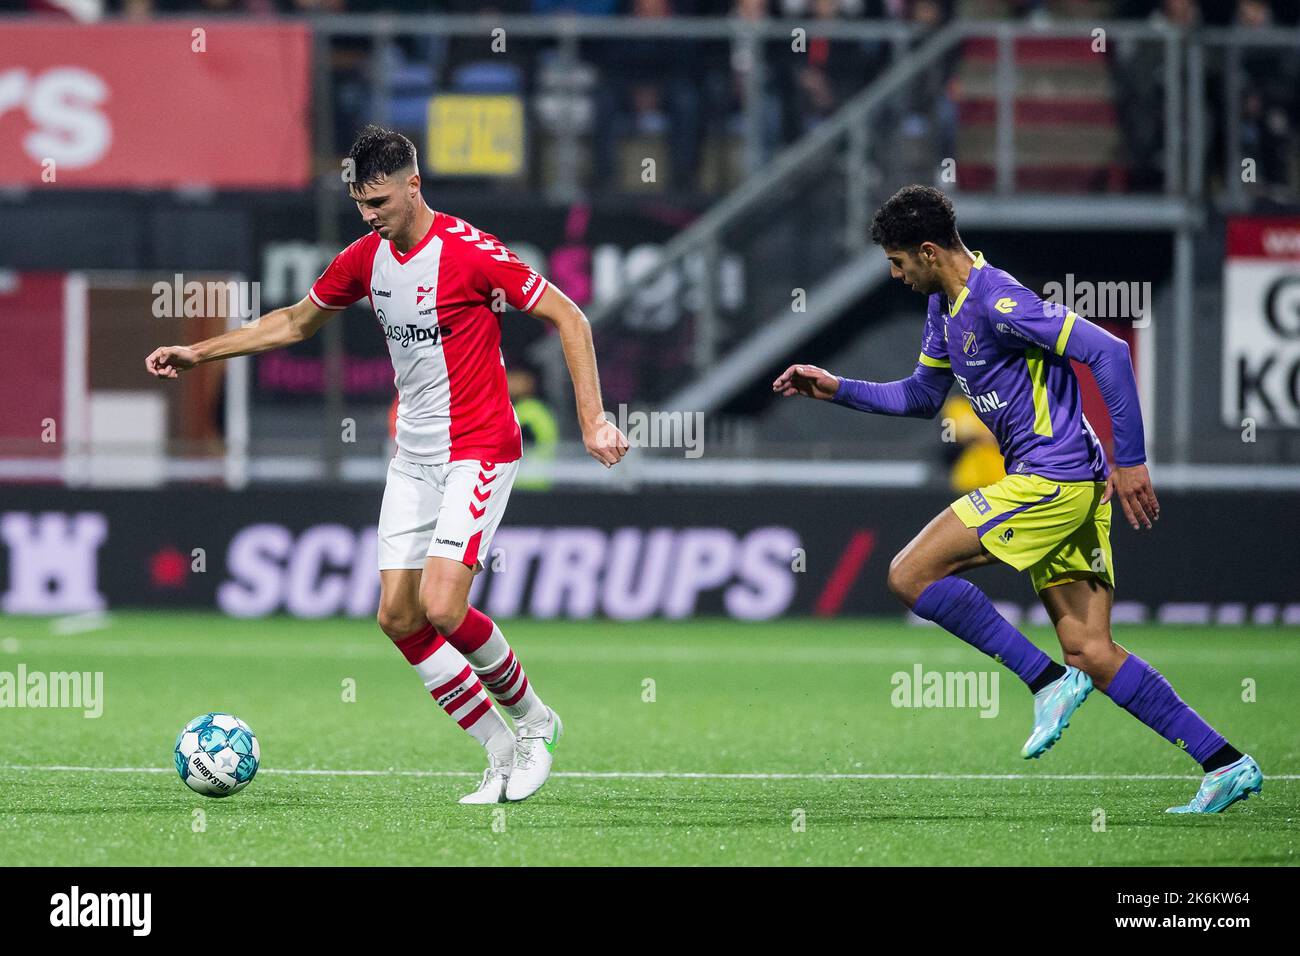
(379, 152)
(913, 215)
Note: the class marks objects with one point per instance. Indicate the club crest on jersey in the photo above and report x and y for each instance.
(968, 344)
(423, 292)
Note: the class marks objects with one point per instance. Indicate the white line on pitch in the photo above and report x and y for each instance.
(672, 774)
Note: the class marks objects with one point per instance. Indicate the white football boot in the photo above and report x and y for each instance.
(492, 789)
(534, 754)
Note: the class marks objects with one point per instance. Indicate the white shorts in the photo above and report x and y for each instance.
(442, 511)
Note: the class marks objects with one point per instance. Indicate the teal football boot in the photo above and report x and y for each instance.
(1053, 707)
(1223, 787)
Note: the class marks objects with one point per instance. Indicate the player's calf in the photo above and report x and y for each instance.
(537, 728)
(1145, 693)
(481, 642)
(450, 681)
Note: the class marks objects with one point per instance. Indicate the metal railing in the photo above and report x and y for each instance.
(850, 153)
(836, 153)
(750, 41)
(1227, 46)
(827, 182)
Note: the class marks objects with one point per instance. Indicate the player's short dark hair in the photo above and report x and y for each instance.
(379, 152)
(913, 215)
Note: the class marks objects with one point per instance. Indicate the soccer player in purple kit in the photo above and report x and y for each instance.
(1010, 353)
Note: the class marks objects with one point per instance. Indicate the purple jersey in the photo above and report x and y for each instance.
(1010, 352)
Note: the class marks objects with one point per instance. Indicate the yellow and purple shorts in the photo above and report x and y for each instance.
(1057, 530)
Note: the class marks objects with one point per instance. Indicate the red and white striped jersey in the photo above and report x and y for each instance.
(440, 307)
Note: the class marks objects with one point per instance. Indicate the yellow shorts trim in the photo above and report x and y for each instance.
(1056, 530)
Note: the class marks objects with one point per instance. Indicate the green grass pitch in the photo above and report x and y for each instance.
(765, 743)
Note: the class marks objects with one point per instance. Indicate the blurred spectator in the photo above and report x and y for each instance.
(926, 113)
(833, 70)
(1035, 11)
(1138, 69)
(648, 88)
(1270, 101)
(731, 90)
(541, 432)
(1179, 13)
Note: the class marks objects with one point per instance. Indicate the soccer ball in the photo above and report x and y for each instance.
(217, 755)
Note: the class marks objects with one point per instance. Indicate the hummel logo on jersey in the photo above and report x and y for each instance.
(382, 293)
(422, 292)
(454, 544)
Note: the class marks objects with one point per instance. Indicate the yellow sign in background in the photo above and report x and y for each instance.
(473, 135)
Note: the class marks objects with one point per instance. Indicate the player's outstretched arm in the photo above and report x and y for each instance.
(604, 442)
(274, 330)
(920, 396)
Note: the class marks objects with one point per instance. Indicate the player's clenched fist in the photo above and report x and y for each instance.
(170, 360)
(604, 442)
(806, 380)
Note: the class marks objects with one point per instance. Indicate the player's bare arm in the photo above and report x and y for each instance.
(807, 380)
(274, 330)
(604, 442)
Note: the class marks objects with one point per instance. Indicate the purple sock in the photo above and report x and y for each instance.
(961, 608)
(1143, 691)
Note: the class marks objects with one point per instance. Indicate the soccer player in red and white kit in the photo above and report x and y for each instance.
(438, 286)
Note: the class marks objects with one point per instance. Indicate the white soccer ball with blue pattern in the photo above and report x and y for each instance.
(217, 755)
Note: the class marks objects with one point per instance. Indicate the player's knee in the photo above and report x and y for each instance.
(1092, 657)
(444, 613)
(905, 580)
(399, 622)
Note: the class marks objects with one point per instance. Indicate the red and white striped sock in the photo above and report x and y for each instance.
(458, 691)
(484, 646)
